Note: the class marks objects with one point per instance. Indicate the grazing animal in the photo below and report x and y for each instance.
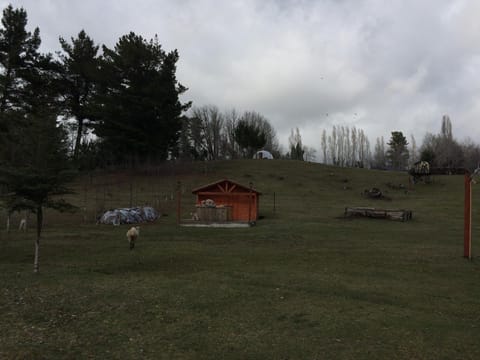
(23, 225)
(132, 235)
(422, 167)
(195, 216)
(419, 171)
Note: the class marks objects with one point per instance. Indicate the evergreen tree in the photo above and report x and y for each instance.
(140, 111)
(79, 73)
(35, 169)
(18, 51)
(249, 137)
(259, 122)
(398, 154)
(171, 109)
(38, 181)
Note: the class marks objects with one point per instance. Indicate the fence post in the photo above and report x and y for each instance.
(274, 203)
(250, 204)
(467, 235)
(179, 194)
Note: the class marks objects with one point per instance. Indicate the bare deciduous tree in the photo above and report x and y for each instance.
(413, 151)
(323, 142)
(442, 150)
(231, 148)
(210, 122)
(379, 156)
(345, 147)
(295, 144)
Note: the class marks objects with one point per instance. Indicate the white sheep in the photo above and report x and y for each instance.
(194, 216)
(132, 235)
(23, 225)
(208, 203)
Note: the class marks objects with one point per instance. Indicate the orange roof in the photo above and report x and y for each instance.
(223, 186)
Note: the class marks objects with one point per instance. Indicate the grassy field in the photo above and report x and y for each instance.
(305, 283)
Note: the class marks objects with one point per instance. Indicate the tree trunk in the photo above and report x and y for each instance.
(37, 240)
(78, 139)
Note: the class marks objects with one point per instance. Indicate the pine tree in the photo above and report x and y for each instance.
(18, 51)
(140, 111)
(249, 137)
(34, 167)
(398, 154)
(18, 48)
(79, 76)
(261, 123)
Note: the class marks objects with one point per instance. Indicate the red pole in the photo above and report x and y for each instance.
(467, 237)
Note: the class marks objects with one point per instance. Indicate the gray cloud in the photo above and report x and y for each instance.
(376, 64)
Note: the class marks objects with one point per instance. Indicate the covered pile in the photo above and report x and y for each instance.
(134, 215)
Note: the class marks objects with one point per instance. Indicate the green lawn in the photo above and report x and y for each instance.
(302, 284)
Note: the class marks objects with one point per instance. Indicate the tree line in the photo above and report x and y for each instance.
(121, 106)
(210, 134)
(440, 150)
(350, 147)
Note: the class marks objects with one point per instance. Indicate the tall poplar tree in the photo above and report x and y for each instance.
(297, 150)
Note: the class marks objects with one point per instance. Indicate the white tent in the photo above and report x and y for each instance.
(263, 154)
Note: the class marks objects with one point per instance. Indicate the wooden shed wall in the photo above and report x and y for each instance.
(239, 202)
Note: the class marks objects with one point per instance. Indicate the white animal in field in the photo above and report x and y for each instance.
(23, 225)
(194, 216)
(132, 235)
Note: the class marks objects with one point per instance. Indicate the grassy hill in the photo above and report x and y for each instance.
(305, 283)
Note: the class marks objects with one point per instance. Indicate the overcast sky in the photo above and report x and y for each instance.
(379, 65)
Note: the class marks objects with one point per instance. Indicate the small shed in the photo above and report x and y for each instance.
(242, 201)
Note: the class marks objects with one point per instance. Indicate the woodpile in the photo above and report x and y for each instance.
(373, 193)
(209, 214)
(390, 214)
(395, 186)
